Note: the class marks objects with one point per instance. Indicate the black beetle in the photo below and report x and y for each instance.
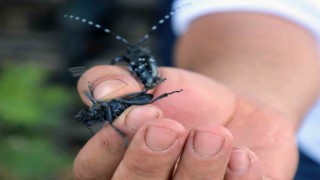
(141, 62)
(108, 111)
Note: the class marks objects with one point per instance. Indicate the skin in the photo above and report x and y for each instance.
(249, 81)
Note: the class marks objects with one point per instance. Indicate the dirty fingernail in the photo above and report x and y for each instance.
(159, 138)
(207, 144)
(108, 86)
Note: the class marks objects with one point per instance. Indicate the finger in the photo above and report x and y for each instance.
(101, 155)
(206, 154)
(153, 151)
(244, 164)
(191, 103)
(108, 82)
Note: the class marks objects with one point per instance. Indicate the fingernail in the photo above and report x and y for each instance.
(159, 138)
(207, 144)
(239, 161)
(108, 86)
(139, 115)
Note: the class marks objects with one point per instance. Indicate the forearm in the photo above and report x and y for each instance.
(260, 56)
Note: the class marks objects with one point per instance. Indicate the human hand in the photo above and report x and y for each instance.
(254, 137)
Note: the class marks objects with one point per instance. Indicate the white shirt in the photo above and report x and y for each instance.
(305, 13)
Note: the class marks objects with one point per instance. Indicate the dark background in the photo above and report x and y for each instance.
(38, 136)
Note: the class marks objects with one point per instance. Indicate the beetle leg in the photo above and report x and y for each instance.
(118, 59)
(140, 102)
(110, 120)
(108, 115)
(164, 95)
(89, 93)
(122, 134)
(131, 70)
(136, 102)
(135, 94)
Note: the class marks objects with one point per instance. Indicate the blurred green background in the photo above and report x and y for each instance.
(38, 99)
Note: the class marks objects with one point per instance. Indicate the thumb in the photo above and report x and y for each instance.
(108, 82)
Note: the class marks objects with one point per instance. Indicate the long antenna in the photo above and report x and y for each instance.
(161, 21)
(97, 26)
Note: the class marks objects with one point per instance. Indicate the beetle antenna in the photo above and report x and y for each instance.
(97, 26)
(161, 21)
(122, 134)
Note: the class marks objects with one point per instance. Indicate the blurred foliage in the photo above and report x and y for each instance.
(31, 111)
(32, 158)
(26, 99)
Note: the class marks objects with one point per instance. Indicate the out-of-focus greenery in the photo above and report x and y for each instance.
(32, 158)
(26, 98)
(31, 110)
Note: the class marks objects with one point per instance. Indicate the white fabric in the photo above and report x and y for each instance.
(302, 12)
(305, 13)
(309, 134)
